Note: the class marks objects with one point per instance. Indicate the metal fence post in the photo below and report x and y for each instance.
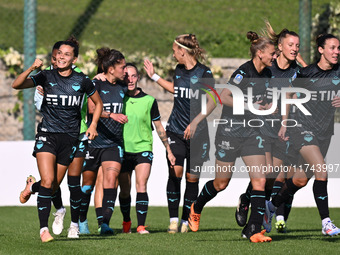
(305, 25)
(30, 13)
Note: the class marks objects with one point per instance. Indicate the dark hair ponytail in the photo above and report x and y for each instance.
(108, 57)
(72, 41)
(321, 39)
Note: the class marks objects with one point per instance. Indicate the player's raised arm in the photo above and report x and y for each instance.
(22, 81)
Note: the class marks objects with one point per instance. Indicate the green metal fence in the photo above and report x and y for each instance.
(305, 26)
(30, 17)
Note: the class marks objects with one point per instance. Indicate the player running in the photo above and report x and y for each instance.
(284, 71)
(233, 141)
(313, 137)
(58, 132)
(74, 169)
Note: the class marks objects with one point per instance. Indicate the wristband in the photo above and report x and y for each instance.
(155, 77)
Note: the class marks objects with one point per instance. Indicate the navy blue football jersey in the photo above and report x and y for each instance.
(246, 76)
(323, 85)
(110, 132)
(189, 85)
(63, 100)
(281, 78)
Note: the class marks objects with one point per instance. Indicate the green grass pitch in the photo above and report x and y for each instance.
(218, 234)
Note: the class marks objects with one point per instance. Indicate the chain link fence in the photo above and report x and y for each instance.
(55, 21)
(84, 19)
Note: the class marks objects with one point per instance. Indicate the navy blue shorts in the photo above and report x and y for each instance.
(82, 148)
(63, 146)
(299, 138)
(195, 151)
(277, 148)
(131, 160)
(95, 156)
(228, 149)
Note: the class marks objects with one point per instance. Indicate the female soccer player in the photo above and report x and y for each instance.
(107, 149)
(187, 127)
(58, 132)
(57, 225)
(233, 141)
(141, 110)
(313, 137)
(284, 70)
(74, 169)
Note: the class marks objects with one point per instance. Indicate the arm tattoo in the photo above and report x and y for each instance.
(163, 137)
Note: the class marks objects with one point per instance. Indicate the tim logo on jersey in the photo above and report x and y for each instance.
(63, 100)
(199, 89)
(194, 91)
(187, 93)
(113, 107)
